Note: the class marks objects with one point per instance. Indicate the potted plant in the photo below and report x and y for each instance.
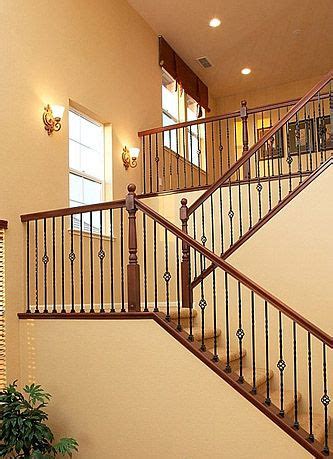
(23, 432)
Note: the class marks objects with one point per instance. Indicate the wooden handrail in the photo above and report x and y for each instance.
(260, 291)
(303, 101)
(73, 210)
(3, 224)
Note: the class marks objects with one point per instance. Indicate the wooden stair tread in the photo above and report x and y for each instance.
(260, 375)
(318, 424)
(209, 333)
(288, 399)
(222, 353)
(184, 313)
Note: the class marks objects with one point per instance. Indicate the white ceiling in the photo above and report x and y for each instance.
(280, 40)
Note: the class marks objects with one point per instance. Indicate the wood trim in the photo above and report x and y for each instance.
(3, 224)
(73, 210)
(270, 133)
(256, 288)
(258, 400)
(264, 220)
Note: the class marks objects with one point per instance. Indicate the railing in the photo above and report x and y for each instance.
(195, 154)
(73, 273)
(295, 147)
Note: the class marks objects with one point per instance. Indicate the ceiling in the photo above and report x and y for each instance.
(280, 40)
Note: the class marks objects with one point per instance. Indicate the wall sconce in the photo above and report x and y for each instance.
(52, 118)
(130, 157)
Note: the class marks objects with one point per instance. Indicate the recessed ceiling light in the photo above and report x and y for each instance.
(246, 71)
(215, 22)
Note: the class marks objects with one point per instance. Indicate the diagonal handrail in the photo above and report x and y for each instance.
(278, 125)
(260, 291)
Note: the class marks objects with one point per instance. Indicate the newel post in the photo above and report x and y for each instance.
(244, 117)
(133, 268)
(185, 263)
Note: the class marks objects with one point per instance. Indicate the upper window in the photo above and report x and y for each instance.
(86, 160)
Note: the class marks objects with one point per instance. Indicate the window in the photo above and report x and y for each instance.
(177, 107)
(86, 163)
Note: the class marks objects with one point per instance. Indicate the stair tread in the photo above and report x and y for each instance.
(184, 313)
(318, 424)
(288, 399)
(222, 353)
(209, 333)
(260, 375)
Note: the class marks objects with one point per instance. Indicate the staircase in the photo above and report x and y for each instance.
(177, 274)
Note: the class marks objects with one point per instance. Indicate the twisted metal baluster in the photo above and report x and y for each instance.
(281, 365)
(325, 400)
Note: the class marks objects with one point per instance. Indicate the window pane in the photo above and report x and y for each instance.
(92, 162)
(74, 126)
(92, 191)
(75, 188)
(170, 100)
(74, 155)
(91, 135)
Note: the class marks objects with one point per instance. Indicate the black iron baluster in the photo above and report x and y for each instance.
(111, 263)
(206, 152)
(296, 422)
(325, 400)
(81, 266)
(227, 325)
(240, 204)
(63, 310)
(240, 334)
(184, 156)
(281, 365)
(36, 266)
(228, 144)
(213, 151)
(177, 160)
(195, 237)
(157, 162)
(155, 270)
(216, 357)
(150, 166)
(191, 155)
(54, 310)
(289, 157)
(321, 131)
(179, 327)
(279, 160)
(231, 214)
(259, 187)
(249, 197)
(202, 305)
(28, 267)
(255, 141)
(163, 159)
(167, 274)
(45, 261)
(190, 336)
(122, 260)
(220, 148)
(311, 435)
(101, 256)
(253, 338)
(221, 220)
(72, 257)
(268, 399)
(307, 145)
(144, 162)
(270, 151)
(145, 263)
(92, 310)
(203, 229)
(199, 154)
(315, 144)
(298, 146)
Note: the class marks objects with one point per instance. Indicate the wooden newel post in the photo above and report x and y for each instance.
(244, 117)
(185, 264)
(133, 268)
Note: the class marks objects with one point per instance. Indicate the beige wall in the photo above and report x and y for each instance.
(100, 54)
(137, 393)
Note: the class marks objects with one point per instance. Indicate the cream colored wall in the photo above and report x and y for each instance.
(293, 253)
(137, 393)
(100, 54)
(266, 96)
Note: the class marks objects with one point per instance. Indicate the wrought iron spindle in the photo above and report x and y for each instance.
(101, 256)
(281, 365)
(221, 220)
(157, 162)
(167, 274)
(213, 151)
(268, 398)
(253, 339)
(184, 156)
(45, 260)
(122, 278)
(270, 153)
(54, 310)
(179, 327)
(92, 310)
(220, 147)
(240, 334)
(144, 163)
(231, 214)
(28, 310)
(63, 310)
(191, 155)
(216, 357)
(72, 257)
(311, 434)
(81, 266)
(155, 270)
(206, 151)
(325, 400)
(202, 305)
(111, 263)
(298, 146)
(177, 160)
(163, 160)
(289, 158)
(150, 166)
(36, 267)
(296, 422)
(227, 325)
(199, 154)
(145, 290)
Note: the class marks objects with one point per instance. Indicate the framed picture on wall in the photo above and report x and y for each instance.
(324, 139)
(264, 151)
(306, 137)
